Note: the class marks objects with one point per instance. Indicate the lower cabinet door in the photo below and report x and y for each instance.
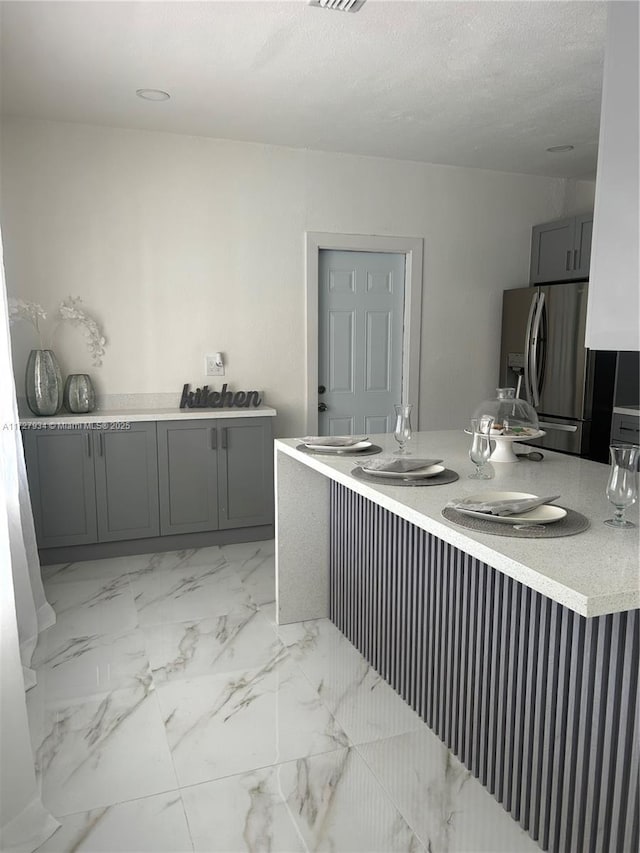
(127, 482)
(62, 486)
(188, 476)
(246, 472)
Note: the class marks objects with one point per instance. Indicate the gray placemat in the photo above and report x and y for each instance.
(571, 524)
(339, 451)
(441, 479)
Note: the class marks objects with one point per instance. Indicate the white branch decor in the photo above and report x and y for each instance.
(70, 309)
(32, 312)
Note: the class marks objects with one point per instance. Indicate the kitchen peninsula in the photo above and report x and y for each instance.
(520, 654)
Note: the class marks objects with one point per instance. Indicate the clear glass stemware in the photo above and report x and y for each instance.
(622, 486)
(480, 450)
(402, 432)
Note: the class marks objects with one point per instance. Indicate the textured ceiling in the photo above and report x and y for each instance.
(481, 84)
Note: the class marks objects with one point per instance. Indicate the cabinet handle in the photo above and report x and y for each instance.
(89, 445)
(575, 259)
(224, 438)
(101, 443)
(214, 438)
(568, 264)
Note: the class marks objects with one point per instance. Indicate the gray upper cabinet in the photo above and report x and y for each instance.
(245, 484)
(582, 252)
(560, 250)
(188, 475)
(126, 470)
(215, 474)
(62, 486)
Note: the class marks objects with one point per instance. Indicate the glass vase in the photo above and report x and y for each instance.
(79, 393)
(43, 383)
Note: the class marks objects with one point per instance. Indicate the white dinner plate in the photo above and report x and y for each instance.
(418, 474)
(332, 448)
(545, 514)
(333, 440)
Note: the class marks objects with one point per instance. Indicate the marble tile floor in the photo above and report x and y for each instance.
(172, 714)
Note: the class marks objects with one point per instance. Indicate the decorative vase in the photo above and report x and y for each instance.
(79, 393)
(43, 383)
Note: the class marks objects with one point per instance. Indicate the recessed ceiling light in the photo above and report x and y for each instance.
(339, 5)
(559, 149)
(153, 94)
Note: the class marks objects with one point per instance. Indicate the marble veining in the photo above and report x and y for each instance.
(186, 591)
(224, 724)
(241, 638)
(172, 714)
(362, 702)
(328, 802)
(154, 824)
(73, 666)
(85, 755)
(448, 809)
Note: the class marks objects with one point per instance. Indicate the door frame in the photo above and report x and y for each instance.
(412, 249)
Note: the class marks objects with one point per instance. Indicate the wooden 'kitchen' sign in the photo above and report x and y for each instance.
(202, 398)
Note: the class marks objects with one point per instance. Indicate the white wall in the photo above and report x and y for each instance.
(613, 318)
(182, 246)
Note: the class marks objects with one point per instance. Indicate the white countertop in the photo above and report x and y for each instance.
(110, 416)
(592, 573)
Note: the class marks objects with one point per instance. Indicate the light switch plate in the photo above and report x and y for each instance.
(211, 368)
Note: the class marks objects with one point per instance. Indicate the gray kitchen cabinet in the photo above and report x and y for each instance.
(215, 474)
(625, 428)
(561, 250)
(91, 486)
(188, 476)
(62, 486)
(245, 482)
(126, 470)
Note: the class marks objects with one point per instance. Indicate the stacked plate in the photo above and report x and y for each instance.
(337, 443)
(403, 469)
(486, 505)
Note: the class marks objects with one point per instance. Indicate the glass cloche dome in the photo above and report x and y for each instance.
(511, 416)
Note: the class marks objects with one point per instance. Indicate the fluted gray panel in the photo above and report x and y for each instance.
(539, 703)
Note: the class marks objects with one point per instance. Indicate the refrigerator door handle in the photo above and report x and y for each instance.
(535, 335)
(545, 425)
(527, 350)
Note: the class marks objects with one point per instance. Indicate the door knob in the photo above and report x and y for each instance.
(322, 407)
(321, 389)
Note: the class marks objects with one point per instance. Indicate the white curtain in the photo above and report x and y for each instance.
(24, 612)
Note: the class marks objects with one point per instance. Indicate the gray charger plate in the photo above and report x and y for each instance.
(572, 523)
(441, 479)
(340, 451)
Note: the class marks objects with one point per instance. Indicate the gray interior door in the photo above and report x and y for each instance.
(360, 340)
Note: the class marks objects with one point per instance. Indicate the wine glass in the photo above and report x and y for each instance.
(402, 432)
(480, 450)
(622, 486)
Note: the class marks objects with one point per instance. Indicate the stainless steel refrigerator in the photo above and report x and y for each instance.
(570, 387)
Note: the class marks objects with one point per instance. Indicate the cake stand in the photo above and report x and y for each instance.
(503, 451)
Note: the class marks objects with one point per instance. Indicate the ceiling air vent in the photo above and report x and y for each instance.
(339, 5)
